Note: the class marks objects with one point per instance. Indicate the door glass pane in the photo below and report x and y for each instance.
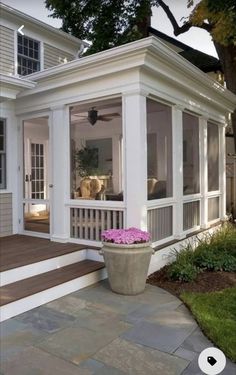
(36, 213)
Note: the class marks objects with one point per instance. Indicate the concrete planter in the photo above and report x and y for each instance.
(127, 266)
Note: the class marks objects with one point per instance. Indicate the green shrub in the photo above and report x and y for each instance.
(223, 240)
(215, 252)
(213, 260)
(183, 268)
(183, 272)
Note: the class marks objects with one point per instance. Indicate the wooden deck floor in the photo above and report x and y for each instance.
(20, 250)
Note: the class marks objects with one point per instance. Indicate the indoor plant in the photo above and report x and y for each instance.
(86, 164)
(127, 254)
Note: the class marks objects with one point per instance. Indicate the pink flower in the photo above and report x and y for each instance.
(126, 236)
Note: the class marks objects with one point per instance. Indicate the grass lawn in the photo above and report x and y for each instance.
(215, 313)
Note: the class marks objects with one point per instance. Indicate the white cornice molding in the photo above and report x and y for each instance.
(10, 87)
(16, 82)
(149, 54)
(136, 91)
(9, 12)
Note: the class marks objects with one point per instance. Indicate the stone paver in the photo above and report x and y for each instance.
(186, 354)
(147, 311)
(134, 359)
(97, 332)
(46, 319)
(34, 361)
(161, 337)
(15, 336)
(68, 305)
(196, 342)
(77, 344)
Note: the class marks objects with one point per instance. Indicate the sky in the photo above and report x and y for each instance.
(195, 37)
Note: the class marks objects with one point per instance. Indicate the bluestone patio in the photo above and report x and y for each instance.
(94, 331)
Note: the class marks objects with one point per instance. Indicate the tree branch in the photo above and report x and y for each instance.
(186, 26)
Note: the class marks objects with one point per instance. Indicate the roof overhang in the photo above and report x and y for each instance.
(148, 54)
(11, 86)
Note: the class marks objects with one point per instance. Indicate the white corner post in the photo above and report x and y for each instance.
(222, 172)
(203, 173)
(177, 147)
(59, 166)
(135, 158)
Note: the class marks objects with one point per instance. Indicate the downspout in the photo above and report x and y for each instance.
(80, 51)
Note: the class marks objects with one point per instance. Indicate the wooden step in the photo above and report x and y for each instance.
(28, 287)
(19, 250)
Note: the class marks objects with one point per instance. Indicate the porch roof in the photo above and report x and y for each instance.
(11, 86)
(149, 55)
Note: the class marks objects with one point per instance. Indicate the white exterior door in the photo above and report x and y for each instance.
(36, 174)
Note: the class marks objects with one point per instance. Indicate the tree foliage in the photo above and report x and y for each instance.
(221, 17)
(104, 23)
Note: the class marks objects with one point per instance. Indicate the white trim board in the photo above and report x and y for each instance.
(33, 269)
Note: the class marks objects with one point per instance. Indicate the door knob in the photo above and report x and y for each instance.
(50, 185)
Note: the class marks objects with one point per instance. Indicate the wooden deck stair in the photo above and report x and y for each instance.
(32, 285)
(35, 271)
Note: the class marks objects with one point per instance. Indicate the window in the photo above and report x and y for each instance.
(213, 156)
(96, 151)
(28, 55)
(190, 154)
(2, 154)
(159, 150)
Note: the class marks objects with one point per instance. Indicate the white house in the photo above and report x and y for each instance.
(153, 123)
(157, 137)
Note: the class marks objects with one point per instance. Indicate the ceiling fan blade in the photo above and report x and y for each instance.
(104, 118)
(112, 114)
(76, 115)
(108, 116)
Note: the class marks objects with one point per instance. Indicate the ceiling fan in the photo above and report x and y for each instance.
(93, 116)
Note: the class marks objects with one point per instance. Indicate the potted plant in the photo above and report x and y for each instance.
(127, 254)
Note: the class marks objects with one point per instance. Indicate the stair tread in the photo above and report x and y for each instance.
(27, 287)
(19, 250)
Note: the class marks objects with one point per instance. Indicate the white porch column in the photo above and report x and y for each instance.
(177, 142)
(59, 172)
(204, 173)
(222, 172)
(135, 158)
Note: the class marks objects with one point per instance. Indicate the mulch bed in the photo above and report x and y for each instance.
(206, 282)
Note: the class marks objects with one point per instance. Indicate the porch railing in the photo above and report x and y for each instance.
(88, 223)
(191, 214)
(160, 222)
